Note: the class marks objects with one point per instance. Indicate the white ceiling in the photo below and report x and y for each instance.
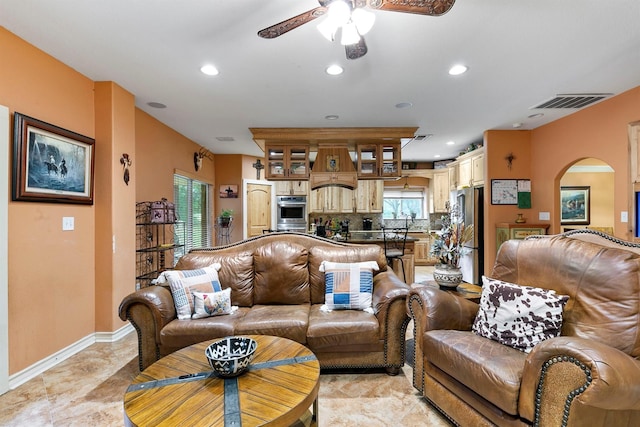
(519, 53)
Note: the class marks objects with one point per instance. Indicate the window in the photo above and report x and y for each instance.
(193, 206)
(400, 204)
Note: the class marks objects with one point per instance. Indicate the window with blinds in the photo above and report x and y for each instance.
(192, 200)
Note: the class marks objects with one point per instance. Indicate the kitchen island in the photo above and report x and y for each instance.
(375, 237)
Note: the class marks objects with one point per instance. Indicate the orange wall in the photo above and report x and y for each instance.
(600, 132)
(51, 272)
(65, 286)
(544, 155)
(159, 152)
(115, 135)
(229, 171)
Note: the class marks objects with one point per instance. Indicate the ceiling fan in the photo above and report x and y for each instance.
(352, 30)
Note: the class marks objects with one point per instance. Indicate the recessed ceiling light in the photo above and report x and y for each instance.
(437, 156)
(458, 69)
(450, 143)
(517, 125)
(209, 70)
(334, 70)
(404, 105)
(332, 117)
(156, 105)
(535, 116)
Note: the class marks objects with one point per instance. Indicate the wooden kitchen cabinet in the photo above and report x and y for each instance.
(292, 188)
(471, 169)
(287, 162)
(378, 160)
(464, 173)
(507, 231)
(440, 190)
(369, 196)
(422, 252)
(477, 170)
(331, 200)
(452, 168)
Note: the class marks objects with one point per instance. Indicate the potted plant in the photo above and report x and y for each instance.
(225, 217)
(449, 247)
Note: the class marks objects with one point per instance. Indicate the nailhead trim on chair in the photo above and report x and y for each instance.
(572, 395)
(413, 316)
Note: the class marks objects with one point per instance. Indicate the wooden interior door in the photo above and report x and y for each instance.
(258, 209)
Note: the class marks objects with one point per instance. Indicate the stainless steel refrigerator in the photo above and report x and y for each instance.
(471, 204)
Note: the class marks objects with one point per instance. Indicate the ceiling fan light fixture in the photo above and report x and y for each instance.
(327, 29)
(349, 34)
(363, 19)
(338, 13)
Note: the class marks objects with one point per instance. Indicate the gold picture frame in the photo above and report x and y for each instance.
(333, 163)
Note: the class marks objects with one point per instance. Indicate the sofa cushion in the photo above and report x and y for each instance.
(317, 254)
(211, 304)
(236, 272)
(341, 329)
(348, 285)
(184, 282)
(492, 370)
(287, 321)
(181, 333)
(518, 316)
(281, 274)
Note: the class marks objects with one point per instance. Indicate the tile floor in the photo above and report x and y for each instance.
(87, 390)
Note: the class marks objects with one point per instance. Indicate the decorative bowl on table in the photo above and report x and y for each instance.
(231, 356)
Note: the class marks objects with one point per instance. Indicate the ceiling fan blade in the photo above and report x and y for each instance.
(289, 24)
(422, 7)
(357, 50)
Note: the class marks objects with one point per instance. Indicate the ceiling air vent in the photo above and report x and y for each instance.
(569, 100)
(225, 138)
(417, 138)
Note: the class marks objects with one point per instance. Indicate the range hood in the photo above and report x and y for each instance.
(333, 167)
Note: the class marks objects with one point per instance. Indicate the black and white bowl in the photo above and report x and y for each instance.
(231, 356)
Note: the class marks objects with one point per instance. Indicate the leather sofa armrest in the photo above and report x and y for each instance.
(432, 309)
(389, 302)
(592, 374)
(148, 310)
(387, 287)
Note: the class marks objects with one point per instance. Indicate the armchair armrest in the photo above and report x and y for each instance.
(148, 310)
(578, 377)
(389, 302)
(432, 309)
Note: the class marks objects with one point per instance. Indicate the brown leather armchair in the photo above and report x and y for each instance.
(589, 376)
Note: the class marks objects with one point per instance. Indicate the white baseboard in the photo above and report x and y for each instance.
(49, 362)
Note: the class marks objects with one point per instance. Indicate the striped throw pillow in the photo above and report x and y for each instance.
(348, 286)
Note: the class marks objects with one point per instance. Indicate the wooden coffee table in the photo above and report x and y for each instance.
(181, 389)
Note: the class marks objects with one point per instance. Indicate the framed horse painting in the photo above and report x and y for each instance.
(51, 164)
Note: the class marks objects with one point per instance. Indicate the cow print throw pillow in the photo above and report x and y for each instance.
(518, 316)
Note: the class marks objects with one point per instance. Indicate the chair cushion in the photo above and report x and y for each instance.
(287, 321)
(341, 328)
(492, 370)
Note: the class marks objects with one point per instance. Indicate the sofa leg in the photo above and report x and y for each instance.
(392, 370)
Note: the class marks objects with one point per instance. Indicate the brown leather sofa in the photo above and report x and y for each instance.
(588, 376)
(264, 266)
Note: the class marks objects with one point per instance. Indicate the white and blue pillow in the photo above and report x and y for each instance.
(183, 283)
(348, 286)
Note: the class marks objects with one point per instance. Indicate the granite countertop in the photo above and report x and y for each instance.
(373, 236)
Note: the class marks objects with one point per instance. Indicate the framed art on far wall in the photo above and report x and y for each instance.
(575, 205)
(51, 164)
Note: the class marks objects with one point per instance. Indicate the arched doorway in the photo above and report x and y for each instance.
(587, 196)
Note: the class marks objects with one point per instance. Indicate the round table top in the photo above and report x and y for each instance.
(181, 389)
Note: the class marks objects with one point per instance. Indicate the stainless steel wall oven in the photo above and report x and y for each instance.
(292, 213)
